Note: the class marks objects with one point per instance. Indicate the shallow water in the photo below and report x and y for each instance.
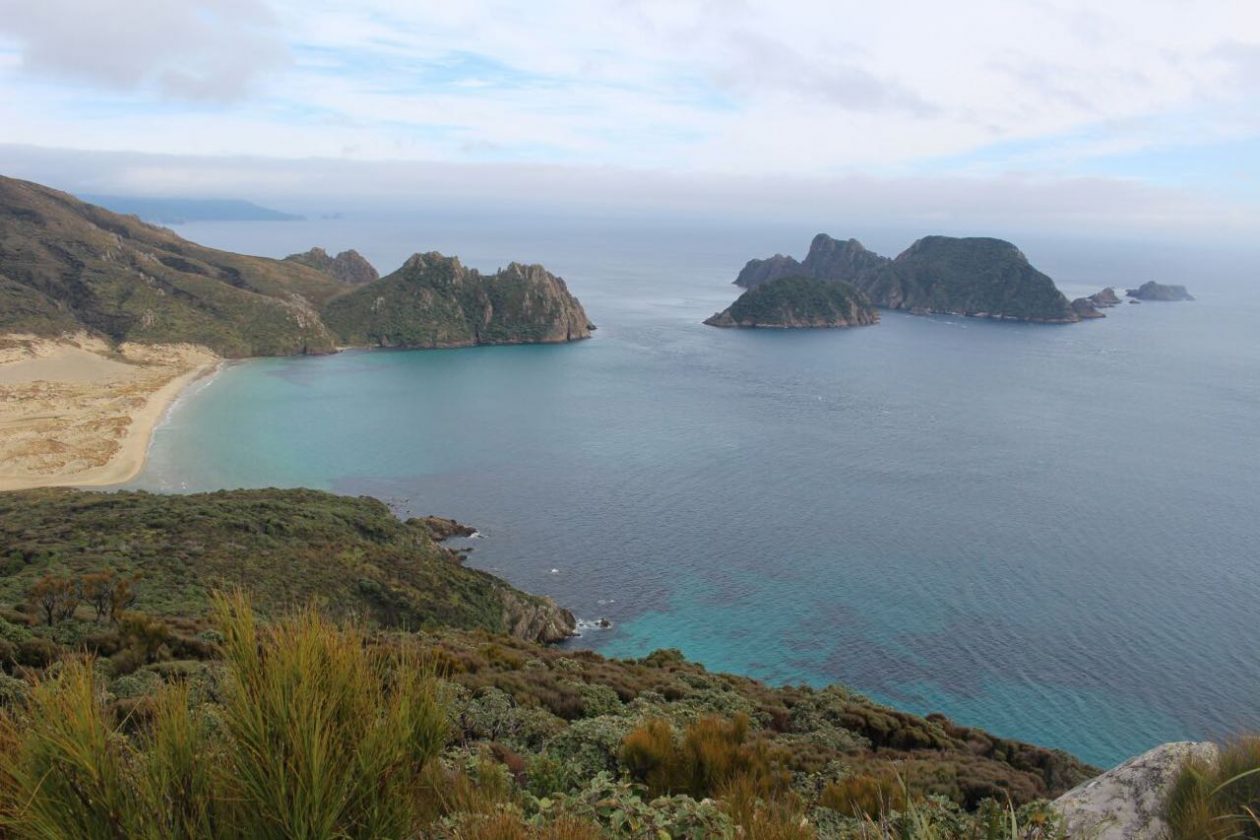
(1046, 531)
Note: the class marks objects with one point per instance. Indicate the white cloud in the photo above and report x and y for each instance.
(186, 49)
(782, 88)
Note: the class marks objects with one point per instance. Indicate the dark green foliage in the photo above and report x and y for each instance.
(798, 302)
(434, 301)
(966, 276)
(969, 276)
(289, 547)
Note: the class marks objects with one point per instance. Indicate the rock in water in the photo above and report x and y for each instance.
(1127, 803)
(1150, 290)
(1084, 308)
(1107, 297)
(794, 302)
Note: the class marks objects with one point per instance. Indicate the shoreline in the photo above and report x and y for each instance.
(76, 414)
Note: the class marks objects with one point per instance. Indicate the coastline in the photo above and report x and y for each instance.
(76, 413)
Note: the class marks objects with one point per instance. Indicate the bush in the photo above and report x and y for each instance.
(865, 795)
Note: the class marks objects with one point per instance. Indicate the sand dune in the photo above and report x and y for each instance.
(75, 412)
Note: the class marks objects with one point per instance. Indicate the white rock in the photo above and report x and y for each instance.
(1127, 802)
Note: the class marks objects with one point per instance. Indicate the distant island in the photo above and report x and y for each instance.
(178, 211)
(1150, 290)
(977, 277)
(788, 302)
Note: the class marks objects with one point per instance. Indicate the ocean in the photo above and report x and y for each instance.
(1050, 532)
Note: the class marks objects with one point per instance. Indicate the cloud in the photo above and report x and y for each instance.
(202, 50)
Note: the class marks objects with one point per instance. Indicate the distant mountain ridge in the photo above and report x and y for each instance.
(975, 276)
(68, 266)
(175, 211)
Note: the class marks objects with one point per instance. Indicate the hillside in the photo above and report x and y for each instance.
(434, 301)
(68, 266)
(521, 732)
(287, 547)
(980, 277)
(791, 302)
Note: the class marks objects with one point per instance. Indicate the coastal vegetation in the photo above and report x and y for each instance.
(435, 301)
(975, 276)
(363, 650)
(71, 267)
(1214, 800)
(798, 302)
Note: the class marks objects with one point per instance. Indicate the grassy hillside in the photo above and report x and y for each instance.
(434, 301)
(351, 556)
(66, 265)
(197, 720)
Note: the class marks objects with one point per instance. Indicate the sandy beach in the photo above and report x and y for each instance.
(75, 412)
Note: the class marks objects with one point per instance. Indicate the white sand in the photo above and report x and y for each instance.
(72, 412)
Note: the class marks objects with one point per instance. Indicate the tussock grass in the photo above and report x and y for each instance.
(319, 735)
(1213, 802)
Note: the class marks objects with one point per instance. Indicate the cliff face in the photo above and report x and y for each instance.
(67, 266)
(979, 277)
(792, 302)
(348, 267)
(434, 301)
(1150, 290)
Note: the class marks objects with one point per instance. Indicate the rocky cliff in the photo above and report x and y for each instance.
(1150, 290)
(791, 302)
(435, 301)
(348, 267)
(979, 277)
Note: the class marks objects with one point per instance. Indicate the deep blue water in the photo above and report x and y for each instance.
(1050, 532)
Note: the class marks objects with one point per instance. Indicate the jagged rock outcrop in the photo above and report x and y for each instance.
(348, 267)
(795, 302)
(976, 276)
(1127, 802)
(435, 301)
(1150, 290)
(442, 528)
(1085, 308)
(536, 618)
(756, 272)
(1106, 297)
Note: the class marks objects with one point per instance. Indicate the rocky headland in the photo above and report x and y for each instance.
(1150, 290)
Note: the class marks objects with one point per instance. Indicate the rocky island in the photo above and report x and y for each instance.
(1150, 290)
(977, 277)
(796, 301)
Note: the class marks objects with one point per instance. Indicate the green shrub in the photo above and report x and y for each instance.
(1215, 801)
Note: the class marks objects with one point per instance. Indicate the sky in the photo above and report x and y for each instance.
(1142, 114)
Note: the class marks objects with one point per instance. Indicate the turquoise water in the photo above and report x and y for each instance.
(1050, 532)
